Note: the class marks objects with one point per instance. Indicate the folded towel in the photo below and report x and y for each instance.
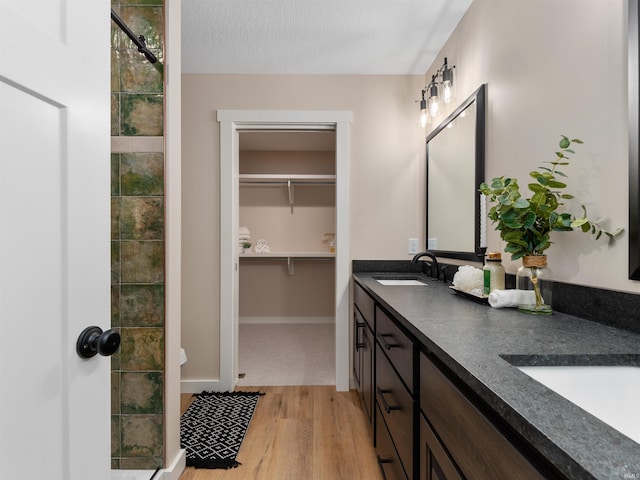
(262, 247)
(244, 237)
(244, 230)
(511, 298)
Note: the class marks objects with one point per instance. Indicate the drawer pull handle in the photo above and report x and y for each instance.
(387, 408)
(381, 462)
(359, 344)
(386, 344)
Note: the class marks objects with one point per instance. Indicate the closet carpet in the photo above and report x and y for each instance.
(287, 354)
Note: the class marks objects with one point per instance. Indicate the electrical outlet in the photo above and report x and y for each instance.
(413, 246)
(432, 244)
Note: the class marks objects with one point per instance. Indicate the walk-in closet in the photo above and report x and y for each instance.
(286, 291)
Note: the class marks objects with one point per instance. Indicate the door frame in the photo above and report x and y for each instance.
(231, 122)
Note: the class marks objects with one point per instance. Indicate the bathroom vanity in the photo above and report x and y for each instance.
(438, 375)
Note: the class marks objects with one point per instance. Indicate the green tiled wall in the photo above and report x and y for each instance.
(137, 242)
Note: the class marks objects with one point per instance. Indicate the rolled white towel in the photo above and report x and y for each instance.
(243, 230)
(511, 298)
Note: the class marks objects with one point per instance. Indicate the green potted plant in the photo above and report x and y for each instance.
(246, 247)
(525, 224)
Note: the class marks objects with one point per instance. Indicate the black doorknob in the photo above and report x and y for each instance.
(93, 340)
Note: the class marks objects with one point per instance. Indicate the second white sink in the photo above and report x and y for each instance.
(609, 393)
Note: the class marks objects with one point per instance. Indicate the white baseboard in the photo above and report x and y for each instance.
(198, 386)
(305, 320)
(173, 471)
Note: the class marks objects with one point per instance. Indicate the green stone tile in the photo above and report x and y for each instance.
(142, 174)
(115, 263)
(115, 361)
(115, 174)
(137, 74)
(115, 218)
(142, 262)
(142, 392)
(115, 438)
(147, 21)
(141, 218)
(141, 114)
(142, 436)
(142, 349)
(115, 115)
(142, 305)
(115, 71)
(142, 463)
(115, 392)
(115, 306)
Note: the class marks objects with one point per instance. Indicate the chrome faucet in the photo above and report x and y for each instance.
(435, 271)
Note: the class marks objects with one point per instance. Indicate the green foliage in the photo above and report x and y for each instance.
(526, 223)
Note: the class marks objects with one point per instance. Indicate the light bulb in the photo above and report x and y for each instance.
(447, 93)
(423, 118)
(434, 106)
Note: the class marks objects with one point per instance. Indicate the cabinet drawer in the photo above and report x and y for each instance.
(364, 303)
(397, 346)
(435, 463)
(387, 457)
(479, 450)
(396, 406)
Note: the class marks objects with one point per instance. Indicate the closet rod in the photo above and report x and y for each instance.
(283, 182)
(139, 41)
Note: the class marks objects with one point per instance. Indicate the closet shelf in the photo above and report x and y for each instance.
(290, 257)
(283, 179)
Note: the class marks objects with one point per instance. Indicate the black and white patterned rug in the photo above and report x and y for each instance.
(213, 427)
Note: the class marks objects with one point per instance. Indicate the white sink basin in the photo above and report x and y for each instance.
(404, 281)
(610, 393)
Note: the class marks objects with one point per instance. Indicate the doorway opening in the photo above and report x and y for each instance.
(287, 218)
(232, 124)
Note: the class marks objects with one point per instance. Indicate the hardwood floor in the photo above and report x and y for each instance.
(301, 433)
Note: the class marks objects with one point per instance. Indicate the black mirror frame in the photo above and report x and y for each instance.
(634, 166)
(479, 97)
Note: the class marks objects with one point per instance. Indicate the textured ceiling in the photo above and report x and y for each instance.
(316, 36)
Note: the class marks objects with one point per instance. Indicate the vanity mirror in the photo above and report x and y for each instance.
(456, 220)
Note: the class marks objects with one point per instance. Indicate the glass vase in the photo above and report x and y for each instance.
(534, 276)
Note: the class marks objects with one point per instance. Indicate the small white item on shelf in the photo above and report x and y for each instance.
(511, 298)
(262, 247)
(468, 279)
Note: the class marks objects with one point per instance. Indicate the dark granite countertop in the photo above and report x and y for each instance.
(472, 340)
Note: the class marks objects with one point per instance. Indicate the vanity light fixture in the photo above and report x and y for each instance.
(439, 90)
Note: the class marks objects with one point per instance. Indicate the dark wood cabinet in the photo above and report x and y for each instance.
(396, 407)
(435, 463)
(425, 427)
(388, 458)
(394, 393)
(478, 449)
(363, 348)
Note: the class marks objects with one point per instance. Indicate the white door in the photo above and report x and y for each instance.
(54, 237)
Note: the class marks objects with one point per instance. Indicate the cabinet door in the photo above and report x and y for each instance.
(396, 406)
(386, 453)
(478, 448)
(435, 464)
(358, 332)
(366, 372)
(365, 304)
